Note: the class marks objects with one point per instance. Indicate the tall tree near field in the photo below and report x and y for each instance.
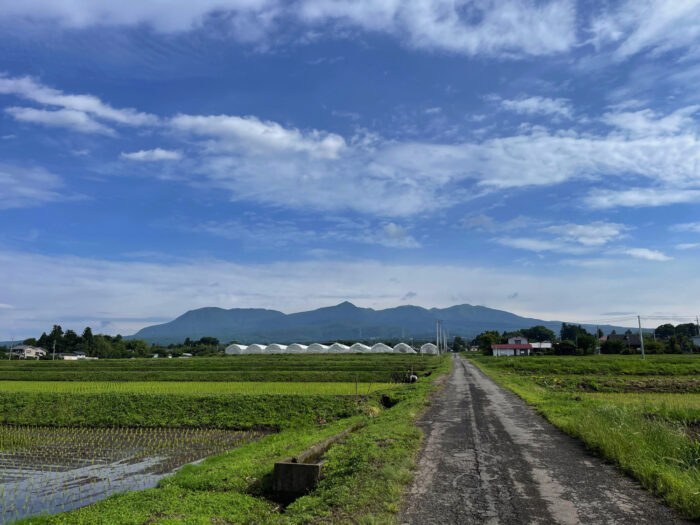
(539, 333)
(665, 331)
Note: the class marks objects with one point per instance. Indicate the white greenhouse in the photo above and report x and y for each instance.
(359, 348)
(428, 348)
(338, 348)
(296, 348)
(317, 348)
(276, 349)
(235, 349)
(255, 349)
(403, 348)
(381, 348)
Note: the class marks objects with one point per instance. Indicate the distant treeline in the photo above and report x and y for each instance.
(115, 347)
(576, 340)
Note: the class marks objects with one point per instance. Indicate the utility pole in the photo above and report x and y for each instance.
(437, 335)
(12, 345)
(54, 350)
(641, 336)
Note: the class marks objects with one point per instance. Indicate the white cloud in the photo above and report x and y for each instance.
(655, 25)
(150, 155)
(510, 27)
(641, 197)
(30, 89)
(688, 246)
(687, 227)
(647, 123)
(540, 245)
(560, 107)
(62, 118)
(254, 135)
(649, 255)
(595, 233)
(394, 236)
(27, 187)
(78, 291)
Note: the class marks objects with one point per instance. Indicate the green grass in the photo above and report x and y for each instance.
(195, 387)
(365, 475)
(650, 436)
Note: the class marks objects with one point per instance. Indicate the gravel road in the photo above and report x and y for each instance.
(489, 458)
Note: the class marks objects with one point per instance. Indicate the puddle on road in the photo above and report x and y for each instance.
(49, 470)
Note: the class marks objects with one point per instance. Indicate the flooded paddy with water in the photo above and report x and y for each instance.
(44, 470)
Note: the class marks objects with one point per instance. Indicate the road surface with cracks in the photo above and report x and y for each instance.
(489, 458)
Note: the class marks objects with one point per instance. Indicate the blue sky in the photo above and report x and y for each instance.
(539, 157)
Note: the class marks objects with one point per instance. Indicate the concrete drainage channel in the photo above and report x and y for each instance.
(297, 476)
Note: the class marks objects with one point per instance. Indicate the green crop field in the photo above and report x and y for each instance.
(643, 415)
(279, 368)
(196, 387)
(77, 428)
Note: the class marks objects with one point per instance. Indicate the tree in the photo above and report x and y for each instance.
(31, 342)
(210, 341)
(459, 344)
(599, 333)
(587, 343)
(486, 339)
(71, 341)
(571, 332)
(687, 329)
(665, 331)
(612, 346)
(539, 333)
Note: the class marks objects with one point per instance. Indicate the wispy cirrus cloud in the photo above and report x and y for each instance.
(557, 107)
(27, 187)
(60, 118)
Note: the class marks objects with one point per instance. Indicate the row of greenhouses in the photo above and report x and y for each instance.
(335, 348)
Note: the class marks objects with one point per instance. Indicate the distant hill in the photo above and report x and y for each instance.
(343, 321)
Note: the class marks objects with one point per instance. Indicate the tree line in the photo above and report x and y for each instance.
(576, 340)
(113, 347)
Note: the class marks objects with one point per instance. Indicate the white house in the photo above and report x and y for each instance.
(29, 352)
(517, 340)
(511, 349)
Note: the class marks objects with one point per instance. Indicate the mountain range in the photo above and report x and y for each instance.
(344, 321)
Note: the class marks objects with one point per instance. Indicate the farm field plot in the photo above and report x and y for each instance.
(196, 387)
(69, 443)
(51, 470)
(643, 415)
(267, 368)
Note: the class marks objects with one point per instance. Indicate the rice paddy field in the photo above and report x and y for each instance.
(642, 415)
(192, 440)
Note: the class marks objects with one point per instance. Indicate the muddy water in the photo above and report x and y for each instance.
(49, 470)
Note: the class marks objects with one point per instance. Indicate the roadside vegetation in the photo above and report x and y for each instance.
(622, 408)
(365, 472)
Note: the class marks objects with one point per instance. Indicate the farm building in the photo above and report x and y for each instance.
(545, 345)
(317, 348)
(296, 348)
(428, 348)
(235, 349)
(28, 352)
(511, 349)
(403, 348)
(359, 348)
(255, 349)
(629, 340)
(381, 348)
(517, 340)
(275, 349)
(338, 348)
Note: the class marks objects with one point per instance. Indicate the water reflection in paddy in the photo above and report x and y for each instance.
(47, 470)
